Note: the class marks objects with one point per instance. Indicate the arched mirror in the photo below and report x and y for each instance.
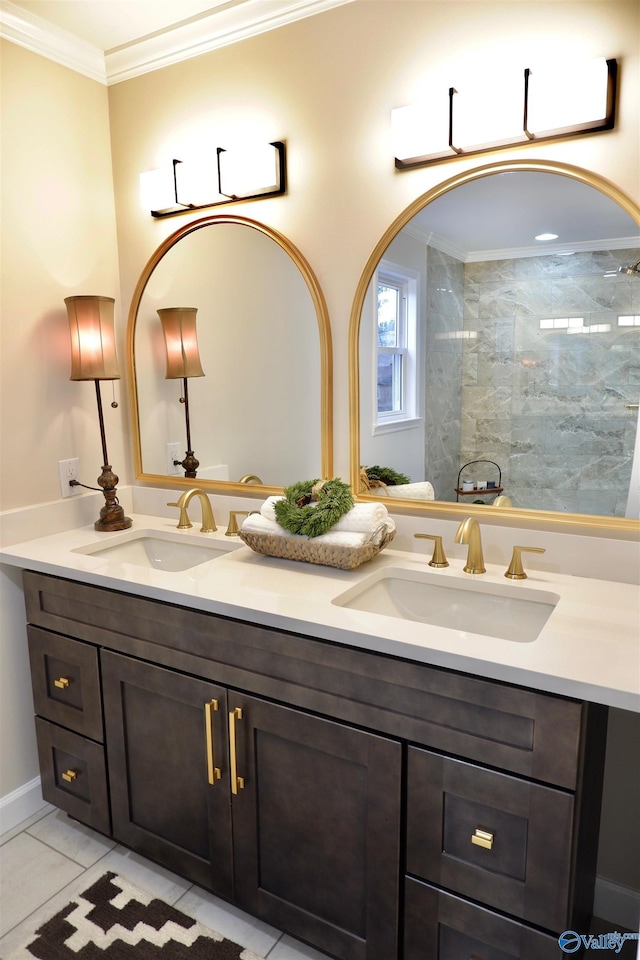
(262, 409)
(489, 361)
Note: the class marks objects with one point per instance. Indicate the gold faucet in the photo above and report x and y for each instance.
(469, 532)
(516, 570)
(208, 523)
(232, 529)
(438, 559)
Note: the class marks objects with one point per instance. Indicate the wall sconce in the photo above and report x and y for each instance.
(93, 357)
(551, 103)
(243, 173)
(183, 361)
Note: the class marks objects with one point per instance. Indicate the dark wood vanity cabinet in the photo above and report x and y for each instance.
(378, 809)
(271, 807)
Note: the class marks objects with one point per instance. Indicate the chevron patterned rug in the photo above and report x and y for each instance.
(113, 920)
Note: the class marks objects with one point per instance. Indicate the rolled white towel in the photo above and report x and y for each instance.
(267, 509)
(257, 523)
(409, 491)
(362, 518)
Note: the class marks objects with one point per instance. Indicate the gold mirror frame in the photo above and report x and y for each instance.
(623, 527)
(326, 361)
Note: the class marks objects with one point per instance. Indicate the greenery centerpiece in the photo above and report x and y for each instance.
(311, 507)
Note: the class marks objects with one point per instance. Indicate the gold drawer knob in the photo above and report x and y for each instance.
(70, 775)
(62, 683)
(482, 838)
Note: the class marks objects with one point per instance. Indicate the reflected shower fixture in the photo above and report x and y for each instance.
(93, 357)
(183, 361)
(633, 270)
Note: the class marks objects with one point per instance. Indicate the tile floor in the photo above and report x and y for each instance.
(49, 858)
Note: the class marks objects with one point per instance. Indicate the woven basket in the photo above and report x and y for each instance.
(310, 551)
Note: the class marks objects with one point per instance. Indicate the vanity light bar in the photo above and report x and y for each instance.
(553, 103)
(247, 173)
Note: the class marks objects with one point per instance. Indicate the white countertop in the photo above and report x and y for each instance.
(589, 648)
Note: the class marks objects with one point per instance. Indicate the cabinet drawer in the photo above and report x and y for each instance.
(494, 838)
(66, 682)
(440, 926)
(74, 775)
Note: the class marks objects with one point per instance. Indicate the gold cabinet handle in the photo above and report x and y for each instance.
(213, 773)
(70, 775)
(62, 683)
(237, 783)
(482, 838)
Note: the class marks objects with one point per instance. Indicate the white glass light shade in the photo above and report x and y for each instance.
(249, 170)
(181, 342)
(93, 345)
(487, 111)
(421, 130)
(158, 189)
(197, 182)
(567, 95)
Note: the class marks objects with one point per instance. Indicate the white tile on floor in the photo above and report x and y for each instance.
(10, 834)
(31, 874)
(142, 873)
(23, 933)
(250, 933)
(289, 949)
(73, 839)
(145, 874)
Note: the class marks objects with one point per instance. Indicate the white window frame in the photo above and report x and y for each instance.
(407, 283)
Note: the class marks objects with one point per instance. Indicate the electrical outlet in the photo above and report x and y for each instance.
(69, 470)
(173, 453)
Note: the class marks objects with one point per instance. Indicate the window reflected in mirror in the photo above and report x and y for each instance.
(526, 351)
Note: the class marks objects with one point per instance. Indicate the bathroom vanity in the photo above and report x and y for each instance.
(374, 804)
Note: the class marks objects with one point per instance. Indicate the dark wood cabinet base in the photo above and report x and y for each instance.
(301, 779)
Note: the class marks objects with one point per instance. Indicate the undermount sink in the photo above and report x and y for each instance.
(491, 609)
(159, 550)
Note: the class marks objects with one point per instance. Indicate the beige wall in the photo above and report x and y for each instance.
(58, 239)
(326, 85)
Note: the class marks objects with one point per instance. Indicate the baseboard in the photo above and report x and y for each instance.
(617, 904)
(20, 804)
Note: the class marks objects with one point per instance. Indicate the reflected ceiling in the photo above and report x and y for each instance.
(513, 208)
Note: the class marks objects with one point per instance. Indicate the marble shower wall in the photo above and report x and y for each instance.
(547, 405)
(443, 371)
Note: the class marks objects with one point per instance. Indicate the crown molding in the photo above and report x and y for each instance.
(41, 37)
(247, 18)
(513, 253)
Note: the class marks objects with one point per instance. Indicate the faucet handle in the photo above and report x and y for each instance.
(183, 523)
(438, 559)
(516, 571)
(232, 529)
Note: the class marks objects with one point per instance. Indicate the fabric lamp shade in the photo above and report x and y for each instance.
(181, 342)
(93, 344)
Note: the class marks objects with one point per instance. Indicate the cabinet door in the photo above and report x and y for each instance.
(168, 761)
(316, 823)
